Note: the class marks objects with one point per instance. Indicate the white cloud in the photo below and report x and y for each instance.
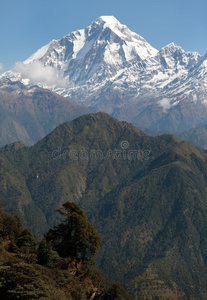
(165, 104)
(1, 67)
(39, 74)
(195, 98)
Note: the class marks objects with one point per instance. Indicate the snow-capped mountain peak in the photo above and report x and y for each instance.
(131, 39)
(108, 67)
(106, 33)
(103, 47)
(108, 20)
(172, 48)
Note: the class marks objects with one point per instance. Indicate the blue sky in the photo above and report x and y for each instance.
(26, 25)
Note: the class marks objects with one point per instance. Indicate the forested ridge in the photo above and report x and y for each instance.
(150, 211)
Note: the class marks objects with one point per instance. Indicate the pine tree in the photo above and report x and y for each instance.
(75, 237)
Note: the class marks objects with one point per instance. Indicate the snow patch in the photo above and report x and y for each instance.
(37, 55)
(85, 49)
(78, 43)
(111, 55)
(109, 19)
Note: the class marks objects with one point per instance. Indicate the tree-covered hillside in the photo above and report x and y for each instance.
(145, 195)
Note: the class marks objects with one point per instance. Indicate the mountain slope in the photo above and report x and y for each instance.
(107, 67)
(161, 215)
(197, 136)
(145, 195)
(29, 114)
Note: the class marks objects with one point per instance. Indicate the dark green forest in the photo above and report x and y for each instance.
(60, 266)
(150, 210)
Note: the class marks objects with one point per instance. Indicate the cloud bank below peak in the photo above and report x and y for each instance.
(37, 73)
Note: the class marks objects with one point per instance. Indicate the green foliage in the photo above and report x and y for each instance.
(10, 227)
(150, 212)
(46, 255)
(75, 237)
(116, 292)
(20, 281)
(26, 239)
(22, 278)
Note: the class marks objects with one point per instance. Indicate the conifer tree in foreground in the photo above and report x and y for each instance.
(75, 237)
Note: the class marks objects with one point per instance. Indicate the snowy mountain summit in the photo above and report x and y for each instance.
(108, 67)
(105, 35)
